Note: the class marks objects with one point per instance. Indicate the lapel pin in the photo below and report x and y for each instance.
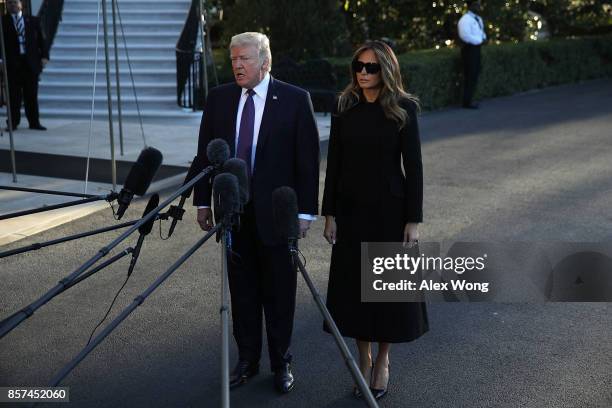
(275, 97)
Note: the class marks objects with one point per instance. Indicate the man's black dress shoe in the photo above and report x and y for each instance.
(283, 379)
(38, 127)
(378, 394)
(243, 371)
(471, 106)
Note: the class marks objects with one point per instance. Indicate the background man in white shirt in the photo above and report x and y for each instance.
(472, 34)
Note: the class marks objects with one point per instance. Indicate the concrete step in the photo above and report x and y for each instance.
(99, 113)
(125, 5)
(101, 103)
(89, 53)
(73, 88)
(138, 49)
(142, 14)
(79, 74)
(147, 24)
(136, 62)
(89, 37)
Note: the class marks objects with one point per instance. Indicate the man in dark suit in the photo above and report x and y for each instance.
(26, 55)
(270, 125)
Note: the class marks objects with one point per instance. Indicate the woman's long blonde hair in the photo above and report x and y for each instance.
(392, 89)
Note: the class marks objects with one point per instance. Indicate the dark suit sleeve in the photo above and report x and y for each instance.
(332, 172)
(307, 158)
(202, 189)
(413, 165)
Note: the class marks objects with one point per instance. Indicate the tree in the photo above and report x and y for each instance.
(300, 30)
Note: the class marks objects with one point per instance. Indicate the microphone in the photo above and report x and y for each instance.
(144, 230)
(139, 178)
(238, 168)
(217, 152)
(285, 215)
(226, 197)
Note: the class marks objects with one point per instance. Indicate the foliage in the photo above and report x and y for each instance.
(435, 76)
(300, 30)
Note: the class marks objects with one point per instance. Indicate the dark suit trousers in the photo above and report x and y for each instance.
(471, 69)
(261, 279)
(23, 85)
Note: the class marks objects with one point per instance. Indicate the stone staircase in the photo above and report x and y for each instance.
(151, 27)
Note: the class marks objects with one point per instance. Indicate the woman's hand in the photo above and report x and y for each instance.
(411, 234)
(330, 229)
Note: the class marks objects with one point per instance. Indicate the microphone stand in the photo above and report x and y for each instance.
(81, 278)
(126, 312)
(14, 321)
(40, 245)
(344, 350)
(52, 192)
(226, 247)
(109, 197)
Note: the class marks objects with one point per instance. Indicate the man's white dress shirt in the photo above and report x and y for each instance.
(471, 29)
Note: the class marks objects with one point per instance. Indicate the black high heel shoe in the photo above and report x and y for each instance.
(356, 391)
(379, 393)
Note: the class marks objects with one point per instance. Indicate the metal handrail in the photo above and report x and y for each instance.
(50, 15)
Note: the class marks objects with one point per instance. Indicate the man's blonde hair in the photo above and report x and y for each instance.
(260, 41)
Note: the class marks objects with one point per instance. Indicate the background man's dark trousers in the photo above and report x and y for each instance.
(471, 69)
(23, 86)
(23, 69)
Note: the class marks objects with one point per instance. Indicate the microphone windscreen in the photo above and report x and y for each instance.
(238, 168)
(226, 194)
(285, 212)
(146, 228)
(142, 172)
(218, 152)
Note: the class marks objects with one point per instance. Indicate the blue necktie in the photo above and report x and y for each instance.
(19, 27)
(245, 134)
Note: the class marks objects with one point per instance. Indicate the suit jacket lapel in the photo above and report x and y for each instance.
(267, 120)
(8, 18)
(235, 96)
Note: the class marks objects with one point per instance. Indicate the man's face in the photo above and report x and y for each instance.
(475, 6)
(13, 6)
(248, 69)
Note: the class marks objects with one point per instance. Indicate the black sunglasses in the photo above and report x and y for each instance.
(370, 67)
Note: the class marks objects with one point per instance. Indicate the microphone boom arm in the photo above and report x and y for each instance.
(16, 319)
(126, 312)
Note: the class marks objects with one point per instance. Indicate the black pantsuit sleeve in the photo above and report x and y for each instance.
(413, 165)
(332, 172)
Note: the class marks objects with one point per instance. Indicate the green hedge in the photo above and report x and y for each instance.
(435, 75)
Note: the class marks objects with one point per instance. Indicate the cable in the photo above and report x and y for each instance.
(108, 311)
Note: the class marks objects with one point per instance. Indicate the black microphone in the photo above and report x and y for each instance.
(238, 168)
(217, 152)
(139, 178)
(285, 215)
(144, 230)
(226, 197)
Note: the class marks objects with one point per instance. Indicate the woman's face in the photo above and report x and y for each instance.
(364, 79)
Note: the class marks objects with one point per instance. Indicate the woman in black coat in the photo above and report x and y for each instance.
(368, 198)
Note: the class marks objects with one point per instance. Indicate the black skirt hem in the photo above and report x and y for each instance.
(383, 339)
